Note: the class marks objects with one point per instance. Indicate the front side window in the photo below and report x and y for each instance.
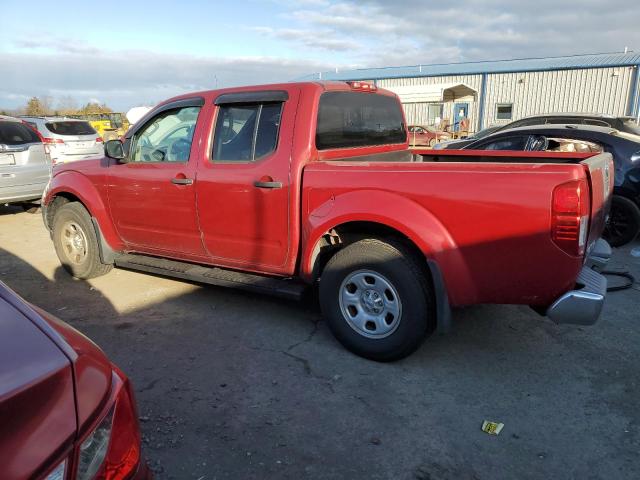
(504, 111)
(166, 138)
(246, 132)
(356, 119)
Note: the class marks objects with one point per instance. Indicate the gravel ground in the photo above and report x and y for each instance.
(236, 385)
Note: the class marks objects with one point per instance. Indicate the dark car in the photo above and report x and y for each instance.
(66, 412)
(624, 220)
(623, 124)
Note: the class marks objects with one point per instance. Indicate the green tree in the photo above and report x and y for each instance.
(93, 107)
(35, 107)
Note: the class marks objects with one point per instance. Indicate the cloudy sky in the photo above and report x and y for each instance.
(140, 52)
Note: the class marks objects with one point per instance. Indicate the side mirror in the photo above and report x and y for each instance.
(114, 149)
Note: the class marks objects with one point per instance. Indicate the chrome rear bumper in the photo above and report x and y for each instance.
(583, 305)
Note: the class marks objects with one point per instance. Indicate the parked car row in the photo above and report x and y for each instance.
(581, 133)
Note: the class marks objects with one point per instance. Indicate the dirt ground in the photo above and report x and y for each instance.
(240, 386)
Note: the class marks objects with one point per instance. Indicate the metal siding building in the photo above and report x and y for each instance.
(597, 83)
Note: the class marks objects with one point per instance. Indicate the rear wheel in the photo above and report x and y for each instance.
(376, 299)
(624, 221)
(76, 244)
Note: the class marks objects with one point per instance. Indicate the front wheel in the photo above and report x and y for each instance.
(624, 221)
(376, 299)
(76, 244)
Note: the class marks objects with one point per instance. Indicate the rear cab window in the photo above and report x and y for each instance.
(70, 128)
(358, 119)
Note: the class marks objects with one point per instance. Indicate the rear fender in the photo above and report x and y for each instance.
(393, 211)
(75, 184)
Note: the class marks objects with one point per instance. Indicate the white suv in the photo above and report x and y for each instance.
(67, 138)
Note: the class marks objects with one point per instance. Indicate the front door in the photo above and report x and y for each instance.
(152, 195)
(243, 189)
(460, 112)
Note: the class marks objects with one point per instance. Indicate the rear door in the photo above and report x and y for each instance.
(24, 165)
(244, 183)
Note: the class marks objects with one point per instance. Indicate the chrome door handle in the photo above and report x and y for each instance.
(267, 184)
(182, 181)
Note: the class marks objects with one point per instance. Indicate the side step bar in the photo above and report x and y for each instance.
(221, 277)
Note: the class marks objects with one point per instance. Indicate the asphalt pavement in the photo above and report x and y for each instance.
(232, 385)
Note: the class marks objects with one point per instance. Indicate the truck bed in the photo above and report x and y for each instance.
(486, 223)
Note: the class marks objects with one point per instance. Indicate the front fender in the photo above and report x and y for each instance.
(78, 185)
(326, 211)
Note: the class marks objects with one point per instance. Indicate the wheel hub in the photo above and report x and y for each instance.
(74, 242)
(372, 301)
(370, 304)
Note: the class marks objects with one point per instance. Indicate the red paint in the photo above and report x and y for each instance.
(56, 387)
(487, 224)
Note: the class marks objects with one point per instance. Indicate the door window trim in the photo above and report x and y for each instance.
(264, 100)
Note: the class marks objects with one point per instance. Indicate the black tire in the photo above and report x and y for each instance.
(624, 221)
(391, 262)
(82, 258)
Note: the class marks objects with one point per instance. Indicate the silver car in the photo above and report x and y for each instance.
(25, 166)
(68, 139)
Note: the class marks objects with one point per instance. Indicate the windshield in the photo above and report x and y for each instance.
(70, 128)
(631, 126)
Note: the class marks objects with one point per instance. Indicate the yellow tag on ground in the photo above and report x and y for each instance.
(492, 428)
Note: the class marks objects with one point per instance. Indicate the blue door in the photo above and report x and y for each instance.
(460, 111)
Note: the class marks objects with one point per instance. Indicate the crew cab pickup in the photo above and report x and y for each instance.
(279, 187)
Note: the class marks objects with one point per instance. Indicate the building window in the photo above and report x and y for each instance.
(504, 111)
(434, 113)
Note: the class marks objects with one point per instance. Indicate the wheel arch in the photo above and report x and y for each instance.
(75, 187)
(346, 233)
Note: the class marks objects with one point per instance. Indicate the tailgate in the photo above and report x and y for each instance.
(599, 169)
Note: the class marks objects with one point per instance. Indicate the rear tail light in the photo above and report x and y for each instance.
(570, 216)
(99, 140)
(51, 141)
(362, 86)
(112, 450)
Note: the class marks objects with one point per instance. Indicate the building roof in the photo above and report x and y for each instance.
(595, 60)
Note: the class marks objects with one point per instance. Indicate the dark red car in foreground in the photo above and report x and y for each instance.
(66, 412)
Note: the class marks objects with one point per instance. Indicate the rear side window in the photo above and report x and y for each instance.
(246, 132)
(509, 143)
(14, 133)
(70, 128)
(356, 119)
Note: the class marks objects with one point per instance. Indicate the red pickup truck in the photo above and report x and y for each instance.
(278, 187)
